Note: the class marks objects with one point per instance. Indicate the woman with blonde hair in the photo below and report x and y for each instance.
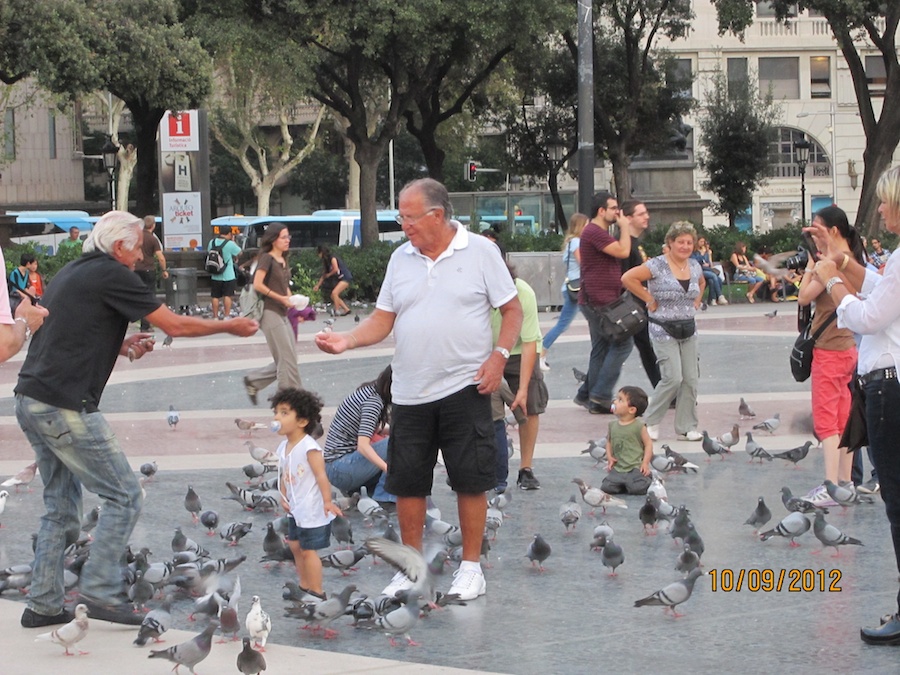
(572, 260)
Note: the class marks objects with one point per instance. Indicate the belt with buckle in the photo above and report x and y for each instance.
(878, 375)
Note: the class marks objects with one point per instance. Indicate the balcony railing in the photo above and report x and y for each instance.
(791, 170)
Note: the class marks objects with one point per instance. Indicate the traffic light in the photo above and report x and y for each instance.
(471, 170)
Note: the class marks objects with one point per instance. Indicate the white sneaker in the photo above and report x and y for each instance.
(400, 582)
(468, 583)
(819, 497)
(653, 431)
(693, 435)
(544, 366)
(723, 301)
(712, 303)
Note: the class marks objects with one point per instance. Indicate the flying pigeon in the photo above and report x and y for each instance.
(829, 535)
(188, 653)
(407, 560)
(155, 623)
(538, 551)
(760, 516)
(258, 624)
(672, 595)
(250, 661)
(770, 424)
(744, 410)
(612, 555)
(792, 526)
(795, 455)
(167, 342)
(172, 418)
(70, 633)
(23, 478)
(570, 513)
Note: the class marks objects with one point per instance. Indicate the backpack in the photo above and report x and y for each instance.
(215, 261)
(251, 302)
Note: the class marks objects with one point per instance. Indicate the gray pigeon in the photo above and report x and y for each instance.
(341, 530)
(538, 551)
(192, 504)
(712, 447)
(694, 540)
(770, 424)
(234, 532)
(843, 495)
(755, 450)
(798, 504)
(140, 592)
(70, 633)
(320, 614)
(570, 513)
(189, 653)
(579, 375)
(744, 410)
(760, 516)
(250, 661)
(155, 623)
(272, 542)
(687, 561)
(672, 595)
(680, 522)
(209, 520)
(612, 555)
(829, 535)
(648, 514)
(597, 450)
(791, 526)
(401, 620)
(343, 559)
(172, 418)
(601, 533)
(795, 455)
(149, 469)
(407, 560)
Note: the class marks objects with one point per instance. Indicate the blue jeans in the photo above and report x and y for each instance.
(351, 471)
(75, 449)
(713, 283)
(569, 310)
(882, 402)
(605, 364)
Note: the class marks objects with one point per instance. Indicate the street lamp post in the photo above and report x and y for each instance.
(801, 148)
(110, 152)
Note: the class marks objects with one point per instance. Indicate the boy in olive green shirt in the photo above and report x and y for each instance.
(628, 445)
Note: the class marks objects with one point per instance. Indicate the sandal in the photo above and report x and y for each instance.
(750, 298)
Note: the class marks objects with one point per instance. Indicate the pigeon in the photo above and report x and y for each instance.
(192, 504)
(672, 595)
(4, 495)
(173, 417)
(612, 555)
(90, 520)
(209, 520)
(844, 496)
(16, 576)
(167, 342)
(579, 376)
(253, 470)
(795, 455)
(770, 424)
(228, 615)
(677, 457)
(744, 410)
(341, 530)
(760, 516)
(258, 624)
(657, 486)
(250, 661)
(648, 514)
(829, 535)
(155, 623)
(321, 614)
(234, 532)
(798, 504)
(755, 450)
(680, 522)
(538, 551)
(401, 620)
(792, 526)
(602, 532)
(693, 539)
(140, 592)
(664, 510)
(687, 561)
(595, 497)
(71, 633)
(261, 455)
(369, 507)
(240, 495)
(494, 520)
(407, 560)
(501, 500)
(188, 653)
(772, 314)
(344, 559)
(570, 513)
(712, 447)
(249, 426)
(597, 450)
(23, 478)
(730, 438)
(149, 469)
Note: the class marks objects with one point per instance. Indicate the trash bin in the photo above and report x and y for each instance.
(181, 289)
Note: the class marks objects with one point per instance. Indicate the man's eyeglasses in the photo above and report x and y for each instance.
(413, 219)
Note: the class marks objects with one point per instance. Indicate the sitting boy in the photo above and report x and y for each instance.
(628, 445)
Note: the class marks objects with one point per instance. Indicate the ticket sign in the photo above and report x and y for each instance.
(179, 132)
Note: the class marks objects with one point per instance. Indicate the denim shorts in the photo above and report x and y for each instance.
(460, 425)
(309, 538)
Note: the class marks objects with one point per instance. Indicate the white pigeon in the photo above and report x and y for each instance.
(770, 424)
(71, 633)
(4, 495)
(258, 624)
(368, 506)
(657, 486)
(570, 513)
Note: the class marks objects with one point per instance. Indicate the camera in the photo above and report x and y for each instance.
(798, 261)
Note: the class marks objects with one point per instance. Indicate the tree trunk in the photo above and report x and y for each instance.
(876, 160)
(621, 176)
(368, 156)
(127, 163)
(352, 175)
(263, 190)
(553, 184)
(434, 156)
(146, 123)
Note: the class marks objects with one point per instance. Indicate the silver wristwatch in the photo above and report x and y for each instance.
(503, 352)
(831, 282)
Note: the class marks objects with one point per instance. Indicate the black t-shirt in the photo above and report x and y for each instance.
(90, 303)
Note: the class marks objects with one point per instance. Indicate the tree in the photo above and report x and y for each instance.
(737, 127)
(322, 179)
(634, 107)
(854, 23)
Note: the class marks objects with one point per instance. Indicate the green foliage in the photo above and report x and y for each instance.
(722, 239)
(48, 265)
(545, 241)
(737, 127)
(322, 178)
(367, 266)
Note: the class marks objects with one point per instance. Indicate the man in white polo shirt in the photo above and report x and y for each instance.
(437, 296)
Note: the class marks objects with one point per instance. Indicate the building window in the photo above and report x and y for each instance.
(820, 76)
(781, 76)
(784, 158)
(678, 77)
(765, 9)
(9, 134)
(737, 76)
(51, 130)
(876, 75)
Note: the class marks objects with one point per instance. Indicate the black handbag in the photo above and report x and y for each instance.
(622, 318)
(680, 329)
(572, 287)
(802, 351)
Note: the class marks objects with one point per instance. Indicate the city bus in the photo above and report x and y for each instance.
(46, 229)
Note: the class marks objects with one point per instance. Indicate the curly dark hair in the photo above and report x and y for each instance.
(637, 399)
(305, 404)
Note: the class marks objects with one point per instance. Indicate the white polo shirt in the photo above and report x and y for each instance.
(443, 314)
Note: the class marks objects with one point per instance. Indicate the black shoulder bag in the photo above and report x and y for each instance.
(802, 351)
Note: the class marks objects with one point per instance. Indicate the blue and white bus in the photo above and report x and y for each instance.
(47, 229)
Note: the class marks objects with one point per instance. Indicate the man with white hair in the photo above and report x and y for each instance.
(90, 302)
